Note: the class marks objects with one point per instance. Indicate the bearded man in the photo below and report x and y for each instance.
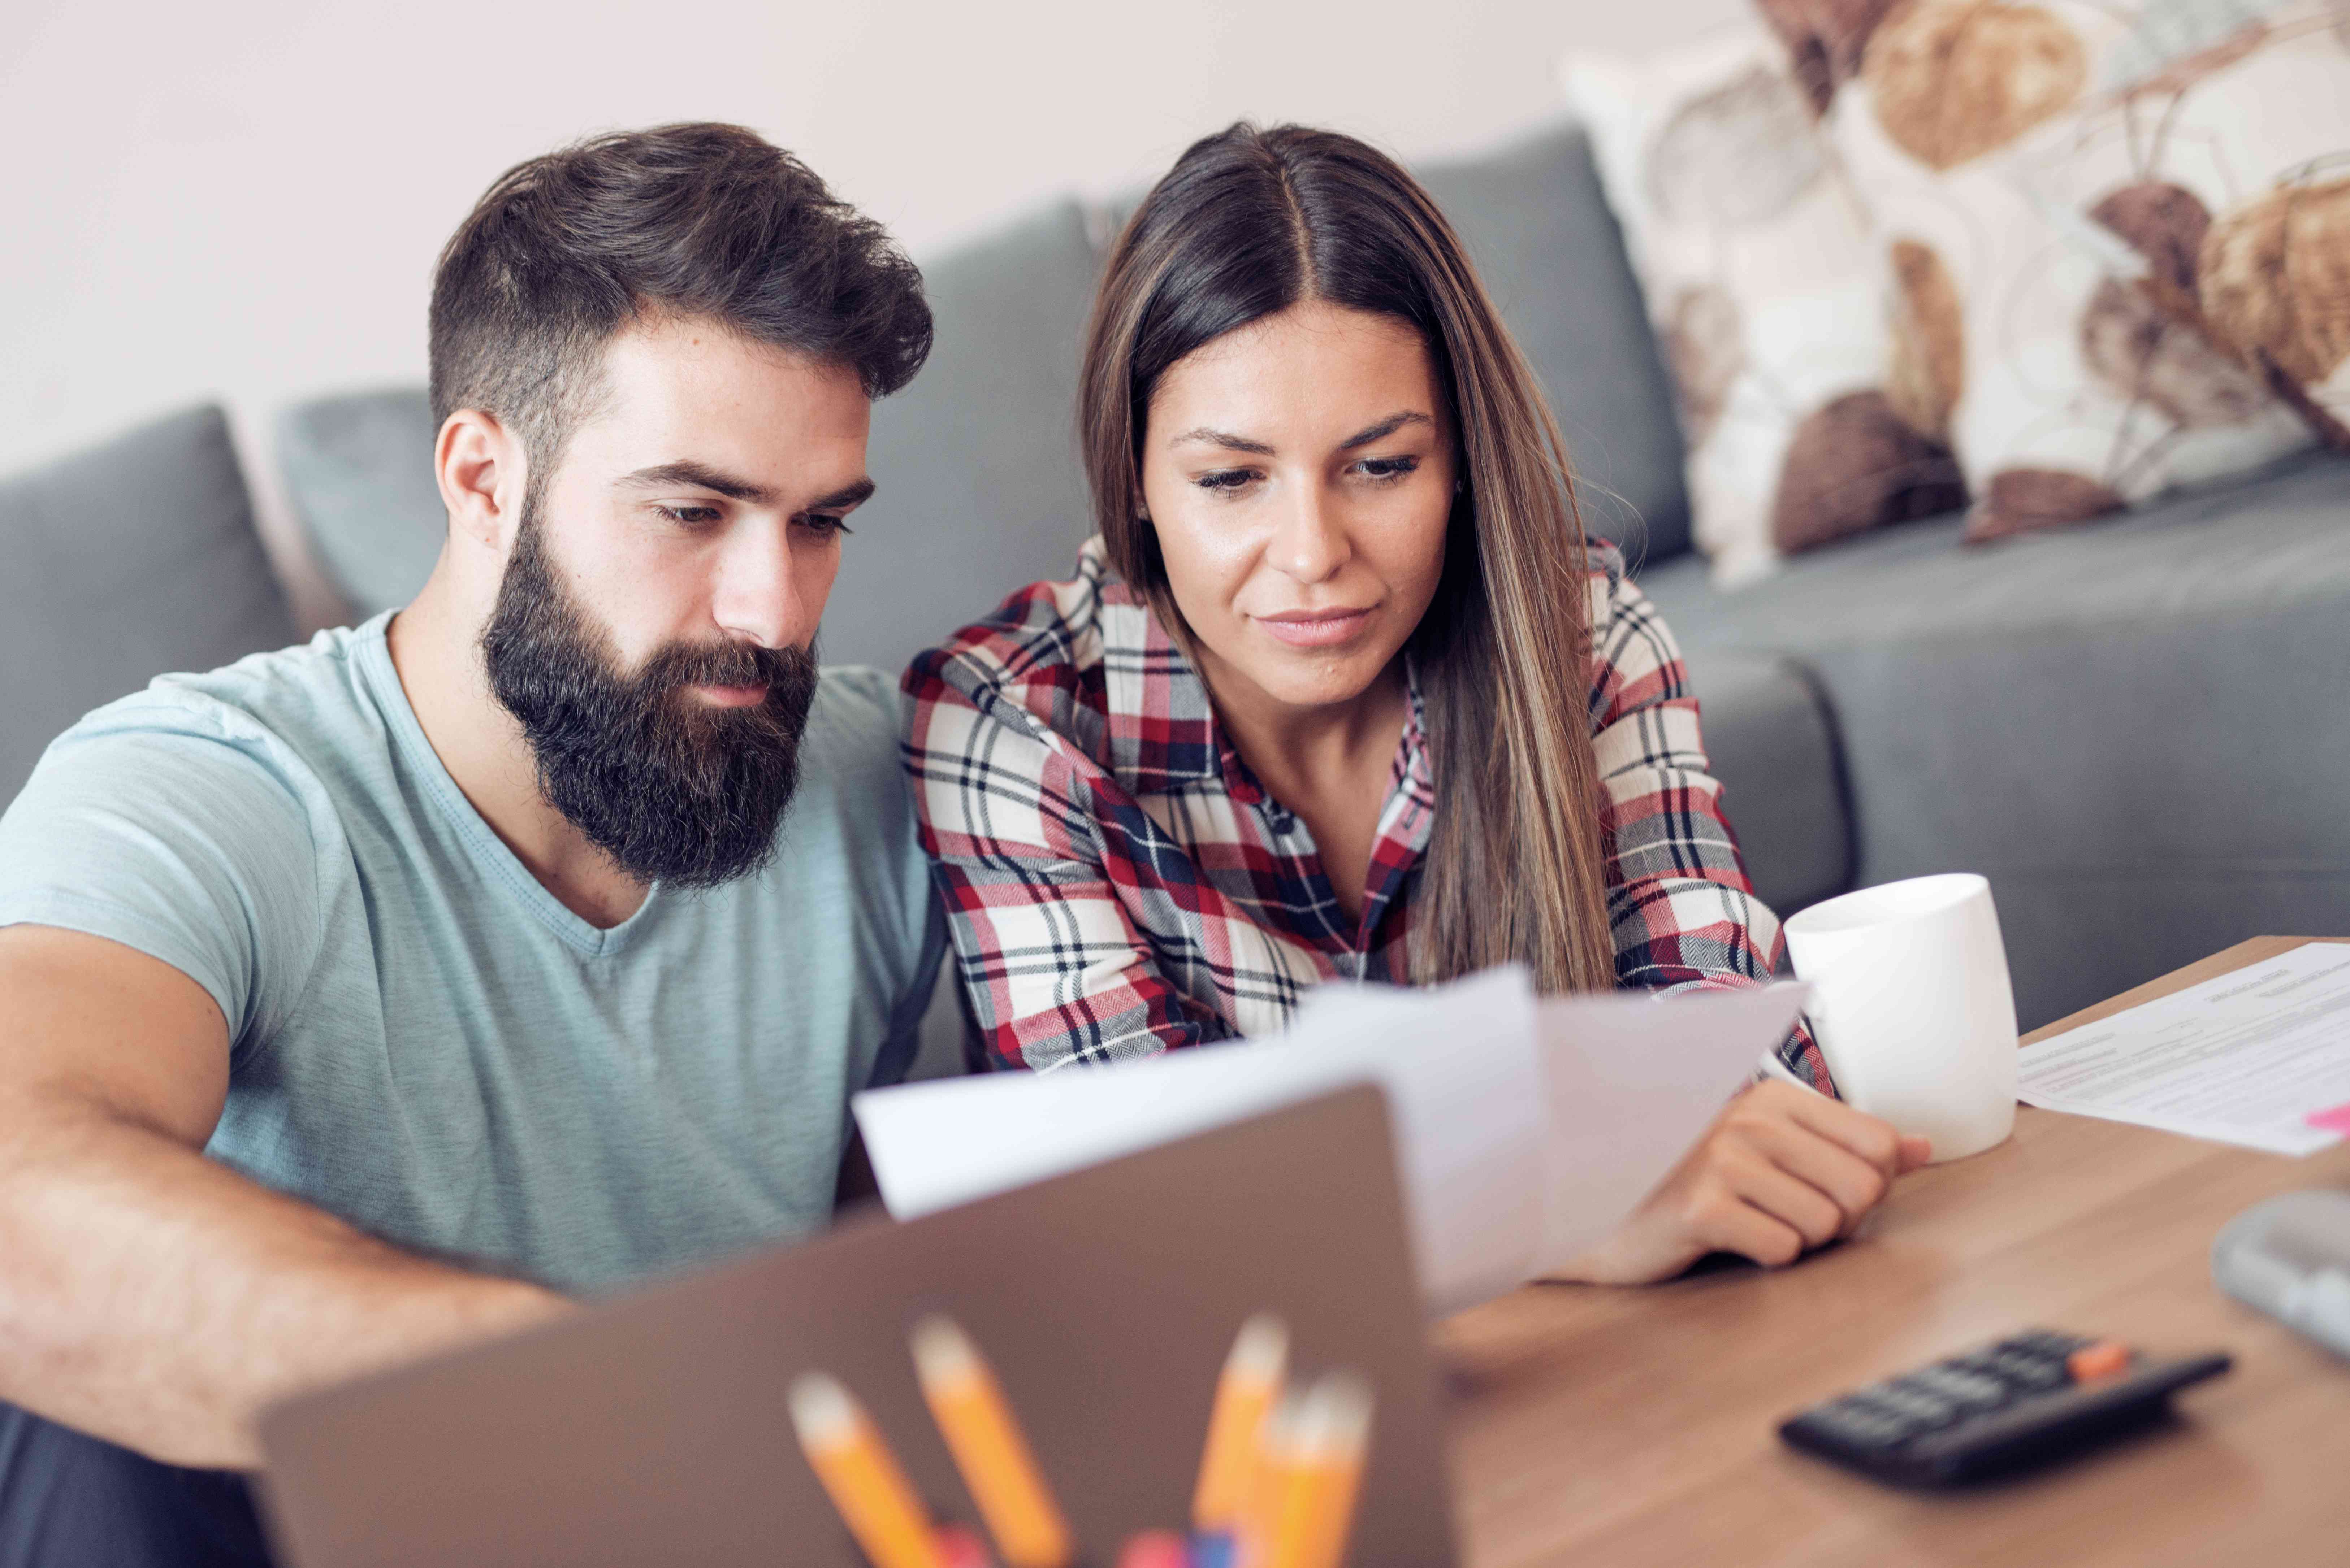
(367, 998)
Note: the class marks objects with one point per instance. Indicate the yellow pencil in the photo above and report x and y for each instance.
(990, 1448)
(1313, 1468)
(1267, 1488)
(1245, 1392)
(871, 1493)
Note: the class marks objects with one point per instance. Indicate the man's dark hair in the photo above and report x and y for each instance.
(565, 250)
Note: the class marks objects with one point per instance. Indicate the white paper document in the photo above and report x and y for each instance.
(2260, 1057)
(1525, 1131)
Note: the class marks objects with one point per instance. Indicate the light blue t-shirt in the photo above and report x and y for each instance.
(423, 1039)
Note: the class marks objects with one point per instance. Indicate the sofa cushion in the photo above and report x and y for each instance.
(1549, 251)
(1771, 744)
(1765, 284)
(125, 561)
(358, 467)
(980, 487)
(2103, 285)
(2134, 728)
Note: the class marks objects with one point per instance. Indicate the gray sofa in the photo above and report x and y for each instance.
(2134, 728)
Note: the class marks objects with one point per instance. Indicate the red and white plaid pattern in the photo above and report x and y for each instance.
(1119, 884)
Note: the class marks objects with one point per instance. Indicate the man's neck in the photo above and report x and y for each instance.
(436, 650)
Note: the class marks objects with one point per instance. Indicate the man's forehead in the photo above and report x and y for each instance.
(683, 390)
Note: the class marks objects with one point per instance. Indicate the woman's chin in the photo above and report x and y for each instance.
(1302, 677)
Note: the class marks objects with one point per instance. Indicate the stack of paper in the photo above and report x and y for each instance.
(2260, 1057)
(1526, 1131)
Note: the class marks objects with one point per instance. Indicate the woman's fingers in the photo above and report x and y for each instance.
(1783, 1171)
(1759, 1183)
(1853, 1184)
(1751, 1232)
(1871, 1138)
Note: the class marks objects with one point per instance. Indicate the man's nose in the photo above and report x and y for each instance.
(756, 596)
(1310, 542)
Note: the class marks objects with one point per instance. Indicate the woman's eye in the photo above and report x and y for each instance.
(1386, 469)
(689, 516)
(1225, 481)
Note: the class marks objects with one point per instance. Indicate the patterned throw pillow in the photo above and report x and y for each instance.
(1805, 418)
(2118, 233)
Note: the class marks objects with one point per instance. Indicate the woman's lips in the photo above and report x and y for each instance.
(1314, 628)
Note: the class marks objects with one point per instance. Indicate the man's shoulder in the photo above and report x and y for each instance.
(848, 768)
(852, 723)
(296, 714)
(294, 695)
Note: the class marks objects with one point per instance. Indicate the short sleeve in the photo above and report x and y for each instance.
(180, 839)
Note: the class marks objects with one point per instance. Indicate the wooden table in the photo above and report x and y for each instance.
(1627, 1427)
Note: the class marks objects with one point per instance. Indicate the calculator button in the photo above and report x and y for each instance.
(2045, 1341)
(1860, 1422)
(1925, 1408)
(2102, 1360)
(1964, 1387)
(2031, 1373)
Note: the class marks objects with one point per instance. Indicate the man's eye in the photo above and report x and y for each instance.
(1388, 468)
(689, 516)
(826, 525)
(1226, 479)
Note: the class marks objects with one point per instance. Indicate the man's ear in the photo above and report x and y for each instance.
(481, 472)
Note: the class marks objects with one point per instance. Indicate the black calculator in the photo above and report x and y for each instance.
(2027, 1400)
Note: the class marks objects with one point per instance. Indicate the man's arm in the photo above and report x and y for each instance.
(149, 1295)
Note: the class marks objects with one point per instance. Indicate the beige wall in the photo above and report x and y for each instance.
(243, 199)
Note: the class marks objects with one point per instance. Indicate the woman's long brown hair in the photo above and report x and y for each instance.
(1248, 223)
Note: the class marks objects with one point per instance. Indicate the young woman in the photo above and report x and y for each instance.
(1341, 691)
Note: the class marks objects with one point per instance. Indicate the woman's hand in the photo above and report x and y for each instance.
(1780, 1171)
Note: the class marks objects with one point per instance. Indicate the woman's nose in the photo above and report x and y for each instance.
(1310, 543)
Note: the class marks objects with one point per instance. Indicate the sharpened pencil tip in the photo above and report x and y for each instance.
(1334, 1415)
(822, 1410)
(942, 1351)
(1261, 1349)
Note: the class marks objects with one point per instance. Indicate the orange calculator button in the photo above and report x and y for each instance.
(2102, 1360)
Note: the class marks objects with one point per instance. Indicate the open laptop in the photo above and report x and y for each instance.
(653, 1428)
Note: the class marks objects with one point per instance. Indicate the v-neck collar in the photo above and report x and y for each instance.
(1407, 818)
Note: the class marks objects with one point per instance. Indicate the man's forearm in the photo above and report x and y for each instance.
(160, 1300)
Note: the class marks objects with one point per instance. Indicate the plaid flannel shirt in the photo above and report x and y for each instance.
(1118, 883)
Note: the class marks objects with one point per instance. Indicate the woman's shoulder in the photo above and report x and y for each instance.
(1635, 659)
(1037, 658)
(1618, 609)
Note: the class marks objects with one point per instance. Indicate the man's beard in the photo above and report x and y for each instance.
(674, 789)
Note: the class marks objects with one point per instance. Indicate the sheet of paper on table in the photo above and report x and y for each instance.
(2260, 1057)
(1526, 1129)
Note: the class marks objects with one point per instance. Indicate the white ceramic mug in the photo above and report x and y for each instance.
(1912, 1007)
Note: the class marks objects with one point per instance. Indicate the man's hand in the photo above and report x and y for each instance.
(149, 1295)
(1780, 1171)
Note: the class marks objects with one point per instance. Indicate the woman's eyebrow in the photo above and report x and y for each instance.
(1206, 437)
(1384, 429)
